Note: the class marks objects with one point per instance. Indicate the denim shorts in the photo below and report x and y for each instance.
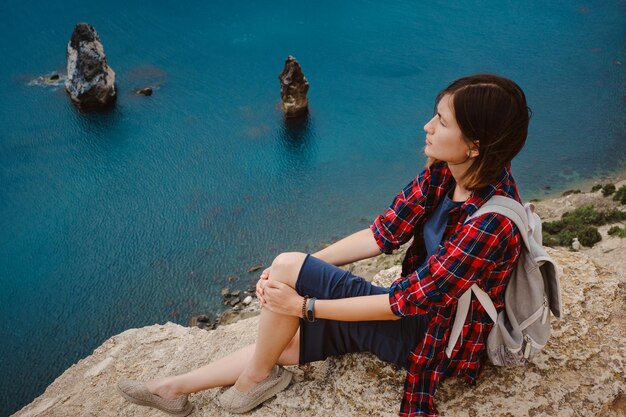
(390, 340)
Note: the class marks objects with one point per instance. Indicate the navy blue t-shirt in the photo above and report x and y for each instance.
(436, 224)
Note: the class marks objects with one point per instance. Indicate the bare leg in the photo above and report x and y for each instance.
(275, 330)
(221, 372)
(278, 341)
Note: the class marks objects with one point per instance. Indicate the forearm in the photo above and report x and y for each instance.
(366, 308)
(357, 246)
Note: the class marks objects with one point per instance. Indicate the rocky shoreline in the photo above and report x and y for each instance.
(582, 371)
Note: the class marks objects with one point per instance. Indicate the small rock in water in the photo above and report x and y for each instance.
(53, 80)
(146, 91)
(235, 293)
(234, 301)
(232, 278)
(255, 267)
(225, 292)
(247, 300)
(203, 318)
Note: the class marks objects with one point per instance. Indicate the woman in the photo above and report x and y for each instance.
(312, 309)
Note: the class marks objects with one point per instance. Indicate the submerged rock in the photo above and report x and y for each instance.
(293, 89)
(255, 267)
(49, 80)
(146, 91)
(90, 81)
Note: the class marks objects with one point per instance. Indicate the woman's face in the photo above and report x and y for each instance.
(444, 140)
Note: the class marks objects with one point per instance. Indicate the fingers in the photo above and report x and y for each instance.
(260, 291)
(266, 273)
(273, 284)
(269, 294)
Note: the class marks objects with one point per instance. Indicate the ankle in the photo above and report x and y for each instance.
(256, 375)
(250, 378)
(164, 388)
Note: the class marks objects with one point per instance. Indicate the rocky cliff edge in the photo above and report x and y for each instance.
(581, 373)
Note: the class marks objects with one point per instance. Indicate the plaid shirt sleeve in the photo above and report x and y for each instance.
(396, 226)
(476, 247)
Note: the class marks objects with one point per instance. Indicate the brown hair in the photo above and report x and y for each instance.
(492, 114)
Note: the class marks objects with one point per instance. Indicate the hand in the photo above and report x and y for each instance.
(260, 285)
(282, 299)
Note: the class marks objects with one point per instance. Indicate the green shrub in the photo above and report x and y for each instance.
(620, 195)
(553, 228)
(589, 215)
(568, 192)
(596, 188)
(617, 231)
(580, 223)
(608, 189)
(589, 236)
(549, 240)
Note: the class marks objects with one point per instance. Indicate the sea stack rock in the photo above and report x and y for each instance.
(90, 81)
(293, 89)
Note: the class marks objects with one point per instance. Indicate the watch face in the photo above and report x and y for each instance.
(309, 310)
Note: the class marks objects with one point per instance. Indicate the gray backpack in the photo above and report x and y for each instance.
(522, 329)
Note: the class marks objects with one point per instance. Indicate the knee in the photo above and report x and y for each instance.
(286, 266)
(288, 260)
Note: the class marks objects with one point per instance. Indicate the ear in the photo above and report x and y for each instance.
(474, 149)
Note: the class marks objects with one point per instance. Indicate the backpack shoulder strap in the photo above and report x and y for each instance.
(462, 309)
(517, 214)
(510, 208)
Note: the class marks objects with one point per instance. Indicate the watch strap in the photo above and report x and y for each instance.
(305, 301)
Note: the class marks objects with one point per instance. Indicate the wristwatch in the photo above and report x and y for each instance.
(310, 310)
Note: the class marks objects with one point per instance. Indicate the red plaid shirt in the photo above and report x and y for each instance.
(483, 251)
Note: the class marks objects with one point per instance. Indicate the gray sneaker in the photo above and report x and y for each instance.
(238, 402)
(137, 393)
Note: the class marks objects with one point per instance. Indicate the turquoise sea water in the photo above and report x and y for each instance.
(139, 216)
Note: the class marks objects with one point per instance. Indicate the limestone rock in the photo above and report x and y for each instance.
(293, 89)
(582, 371)
(90, 81)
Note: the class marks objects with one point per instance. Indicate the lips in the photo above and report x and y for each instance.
(428, 142)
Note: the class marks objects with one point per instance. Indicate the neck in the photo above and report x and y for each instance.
(458, 170)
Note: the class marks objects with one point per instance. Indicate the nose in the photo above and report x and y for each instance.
(428, 127)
